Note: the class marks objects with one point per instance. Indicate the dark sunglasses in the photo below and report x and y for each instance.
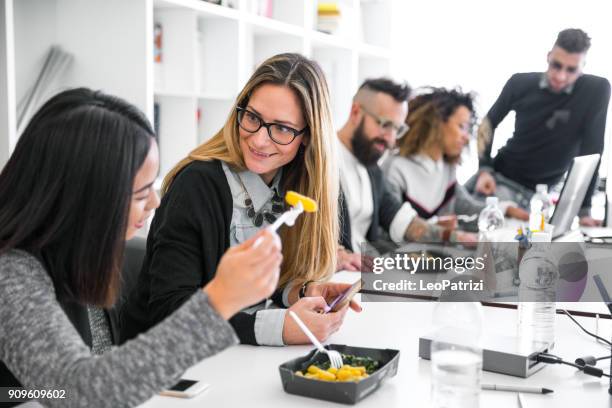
(279, 133)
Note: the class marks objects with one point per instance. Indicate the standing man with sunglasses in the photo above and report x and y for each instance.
(376, 120)
(560, 114)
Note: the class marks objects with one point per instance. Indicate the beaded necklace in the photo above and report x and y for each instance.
(258, 217)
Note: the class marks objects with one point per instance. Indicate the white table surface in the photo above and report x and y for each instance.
(248, 376)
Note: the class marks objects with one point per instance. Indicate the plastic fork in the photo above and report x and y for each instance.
(467, 218)
(334, 357)
(288, 218)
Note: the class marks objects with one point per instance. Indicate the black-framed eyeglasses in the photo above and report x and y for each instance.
(557, 66)
(388, 125)
(279, 133)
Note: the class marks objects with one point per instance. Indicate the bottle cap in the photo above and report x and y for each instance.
(542, 188)
(492, 200)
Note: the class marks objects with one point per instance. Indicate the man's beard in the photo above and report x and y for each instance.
(363, 148)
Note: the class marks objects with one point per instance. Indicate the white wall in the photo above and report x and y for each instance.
(479, 44)
(7, 85)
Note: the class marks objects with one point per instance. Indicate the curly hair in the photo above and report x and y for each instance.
(573, 40)
(426, 113)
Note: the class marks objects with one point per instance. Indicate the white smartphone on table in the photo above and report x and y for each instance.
(185, 389)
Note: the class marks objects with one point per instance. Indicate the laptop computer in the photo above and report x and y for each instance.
(574, 189)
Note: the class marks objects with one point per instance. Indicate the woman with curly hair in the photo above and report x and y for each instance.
(424, 170)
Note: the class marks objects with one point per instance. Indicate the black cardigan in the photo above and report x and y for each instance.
(189, 235)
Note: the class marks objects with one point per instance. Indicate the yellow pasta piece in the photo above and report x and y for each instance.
(313, 369)
(293, 198)
(344, 375)
(325, 376)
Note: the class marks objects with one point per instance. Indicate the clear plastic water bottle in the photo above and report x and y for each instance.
(539, 275)
(490, 219)
(456, 355)
(536, 217)
(540, 202)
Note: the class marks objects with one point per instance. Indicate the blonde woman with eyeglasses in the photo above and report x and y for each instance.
(277, 137)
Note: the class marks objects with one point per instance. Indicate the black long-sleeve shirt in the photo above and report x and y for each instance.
(550, 128)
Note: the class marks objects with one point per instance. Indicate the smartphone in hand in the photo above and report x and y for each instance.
(344, 298)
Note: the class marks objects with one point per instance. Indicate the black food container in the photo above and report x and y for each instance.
(344, 392)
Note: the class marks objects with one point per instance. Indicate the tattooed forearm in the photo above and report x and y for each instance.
(485, 133)
(420, 230)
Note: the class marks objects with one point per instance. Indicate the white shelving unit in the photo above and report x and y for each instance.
(208, 53)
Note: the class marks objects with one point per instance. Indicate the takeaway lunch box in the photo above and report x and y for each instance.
(349, 392)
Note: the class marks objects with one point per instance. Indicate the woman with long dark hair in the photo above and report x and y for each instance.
(79, 183)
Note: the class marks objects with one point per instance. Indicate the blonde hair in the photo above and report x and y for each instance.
(309, 247)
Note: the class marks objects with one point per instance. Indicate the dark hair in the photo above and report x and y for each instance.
(399, 92)
(426, 113)
(66, 189)
(445, 101)
(573, 40)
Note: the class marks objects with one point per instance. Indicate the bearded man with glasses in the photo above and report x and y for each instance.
(371, 213)
(560, 114)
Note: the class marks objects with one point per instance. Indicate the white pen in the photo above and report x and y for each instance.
(513, 388)
(519, 398)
